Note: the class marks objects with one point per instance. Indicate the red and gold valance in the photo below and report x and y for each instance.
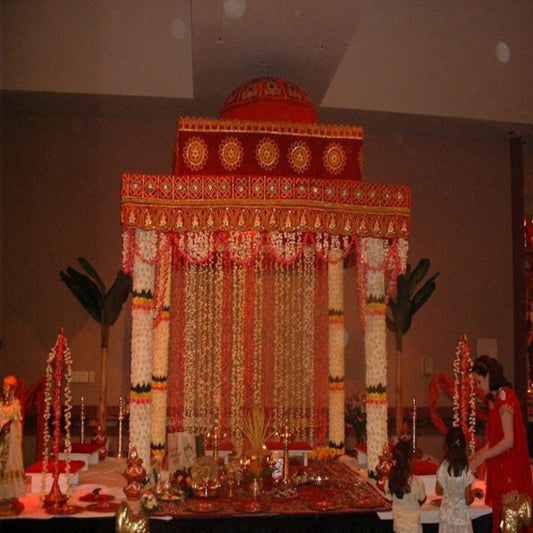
(268, 203)
(207, 147)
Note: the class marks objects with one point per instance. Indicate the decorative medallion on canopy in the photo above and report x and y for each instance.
(237, 262)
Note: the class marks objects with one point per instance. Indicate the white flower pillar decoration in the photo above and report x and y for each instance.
(373, 252)
(144, 260)
(160, 347)
(336, 349)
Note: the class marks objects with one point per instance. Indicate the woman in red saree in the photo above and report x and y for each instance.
(506, 450)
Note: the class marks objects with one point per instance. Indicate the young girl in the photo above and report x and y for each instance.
(407, 491)
(454, 484)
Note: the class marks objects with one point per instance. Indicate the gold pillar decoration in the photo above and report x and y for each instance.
(286, 435)
(82, 420)
(121, 415)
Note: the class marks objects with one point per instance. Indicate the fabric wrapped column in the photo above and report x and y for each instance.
(336, 349)
(144, 260)
(373, 253)
(161, 346)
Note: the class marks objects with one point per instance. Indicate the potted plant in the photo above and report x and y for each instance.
(402, 307)
(104, 306)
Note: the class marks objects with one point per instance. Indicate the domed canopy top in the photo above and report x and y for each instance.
(269, 99)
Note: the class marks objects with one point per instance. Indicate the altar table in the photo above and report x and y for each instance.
(278, 517)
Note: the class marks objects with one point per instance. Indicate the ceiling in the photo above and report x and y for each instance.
(468, 62)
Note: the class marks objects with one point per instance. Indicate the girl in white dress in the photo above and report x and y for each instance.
(407, 491)
(454, 483)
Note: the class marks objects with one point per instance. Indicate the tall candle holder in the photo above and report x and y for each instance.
(82, 420)
(121, 454)
(286, 435)
(214, 438)
(417, 452)
(414, 425)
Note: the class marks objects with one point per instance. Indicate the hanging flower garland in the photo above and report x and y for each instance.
(243, 247)
(309, 335)
(336, 350)
(220, 273)
(464, 396)
(237, 356)
(58, 379)
(390, 265)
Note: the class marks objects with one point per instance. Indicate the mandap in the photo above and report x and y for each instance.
(237, 261)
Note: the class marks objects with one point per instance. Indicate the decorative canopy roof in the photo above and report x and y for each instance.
(265, 166)
(269, 99)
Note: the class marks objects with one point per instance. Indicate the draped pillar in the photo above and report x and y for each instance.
(144, 259)
(372, 272)
(336, 348)
(161, 314)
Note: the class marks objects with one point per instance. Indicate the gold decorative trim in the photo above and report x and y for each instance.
(231, 153)
(239, 203)
(299, 156)
(267, 153)
(198, 124)
(334, 158)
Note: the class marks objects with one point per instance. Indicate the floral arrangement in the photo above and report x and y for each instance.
(255, 428)
(355, 414)
(325, 453)
(258, 468)
(204, 474)
(182, 481)
(149, 503)
(464, 397)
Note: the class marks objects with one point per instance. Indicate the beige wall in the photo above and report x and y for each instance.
(62, 162)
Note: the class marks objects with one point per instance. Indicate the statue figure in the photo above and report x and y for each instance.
(100, 438)
(12, 484)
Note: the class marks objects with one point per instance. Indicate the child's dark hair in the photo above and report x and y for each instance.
(456, 451)
(400, 474)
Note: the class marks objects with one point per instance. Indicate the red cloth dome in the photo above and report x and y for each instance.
(269, 99)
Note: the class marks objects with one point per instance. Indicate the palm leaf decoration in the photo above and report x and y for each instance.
(402, 307)
(104, 306)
